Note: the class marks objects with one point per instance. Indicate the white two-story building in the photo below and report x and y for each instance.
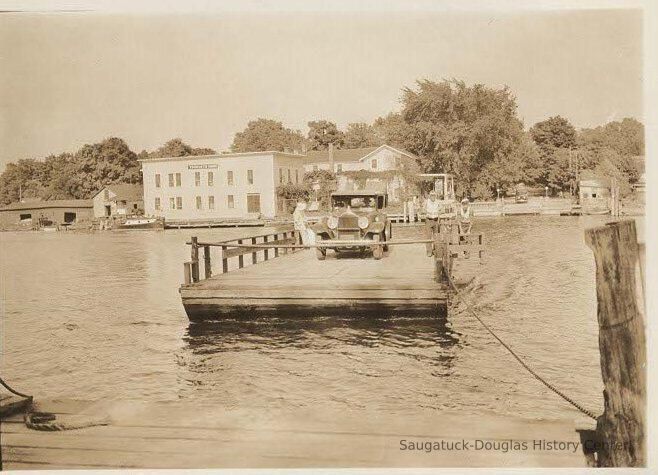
(210, 187)
(379, 166)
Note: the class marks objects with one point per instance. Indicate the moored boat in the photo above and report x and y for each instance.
(141, 223)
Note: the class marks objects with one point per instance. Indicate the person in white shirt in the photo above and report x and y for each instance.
(299, 221)
(433, 209)
(464, 222)
(411, 207)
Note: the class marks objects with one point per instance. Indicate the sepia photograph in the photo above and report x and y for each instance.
(325, 235)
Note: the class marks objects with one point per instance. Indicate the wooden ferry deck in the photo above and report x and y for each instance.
(402, 281)
(142, 435)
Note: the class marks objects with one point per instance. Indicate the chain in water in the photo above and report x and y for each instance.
(518, 358)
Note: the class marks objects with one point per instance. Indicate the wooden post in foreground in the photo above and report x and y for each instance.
(207, 263)
(195, 259)
(621, 428)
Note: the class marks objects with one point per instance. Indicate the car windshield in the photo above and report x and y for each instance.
(354, 201)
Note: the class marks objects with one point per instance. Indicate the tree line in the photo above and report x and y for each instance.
(81, 174)
(473, 132)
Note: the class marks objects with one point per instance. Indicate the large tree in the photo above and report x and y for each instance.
(22, 179)
(556, 139)
(267, 135)
(177, 148)
(619, 142)
(472, 132)
(360, 134)
(392, 130)
(554, 132)
(321, 133)
(100, 164)
(626, 137)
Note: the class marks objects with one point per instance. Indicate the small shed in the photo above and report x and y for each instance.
(594, 192)
(29, 213)
(122, 199)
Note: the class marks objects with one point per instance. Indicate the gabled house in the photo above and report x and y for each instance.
(122, 199)
(382, 158)
(378, 166)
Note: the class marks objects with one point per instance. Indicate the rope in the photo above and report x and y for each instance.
(13, 391)
(518, 358)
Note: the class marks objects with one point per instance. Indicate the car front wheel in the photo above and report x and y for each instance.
(378, 249)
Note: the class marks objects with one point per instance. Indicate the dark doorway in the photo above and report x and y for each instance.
(108, 210)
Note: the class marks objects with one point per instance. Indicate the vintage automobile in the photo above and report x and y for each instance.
(521, 193)
(356, 220)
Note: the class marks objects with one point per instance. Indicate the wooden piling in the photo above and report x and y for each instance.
(195, 259)
(621, 428)
(206, 262)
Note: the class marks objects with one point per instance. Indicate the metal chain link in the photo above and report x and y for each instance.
(518, 358)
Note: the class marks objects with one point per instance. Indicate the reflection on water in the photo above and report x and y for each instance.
(99, 316)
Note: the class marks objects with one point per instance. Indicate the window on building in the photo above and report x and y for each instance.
(106, 194)
(339, 168)
(250, 177)
(593, 195)
(197, 178)
(211, 202)
(25, 217)
(211, 178)
(229, 178)
(69, 217)
(198, 202)
(157, 180)
(172, 203)
(373, 164)
(178, 179)
(230, 201)
(296, 176)
(280, 175)
(253, 203)
(289, 176)
(157, 204)
(171, 179)
(179, 202)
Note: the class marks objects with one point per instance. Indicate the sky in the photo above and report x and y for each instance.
(68, 79)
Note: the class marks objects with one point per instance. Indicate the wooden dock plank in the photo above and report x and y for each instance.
(298, 282)
(185, 435)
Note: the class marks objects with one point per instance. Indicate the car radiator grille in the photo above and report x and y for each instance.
(348, 222)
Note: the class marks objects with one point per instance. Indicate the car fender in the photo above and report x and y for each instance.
(321, 229)
(376, 227)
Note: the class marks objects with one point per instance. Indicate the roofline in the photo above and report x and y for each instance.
(222, 155)
(403, 152)
(112, 184)
(359, 192)
(44, 205)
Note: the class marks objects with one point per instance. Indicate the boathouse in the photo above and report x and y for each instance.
(594, 192)
(25, 215)
(220, 186)
(121, 199)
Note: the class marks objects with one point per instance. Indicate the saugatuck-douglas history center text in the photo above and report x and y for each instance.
(484, 445)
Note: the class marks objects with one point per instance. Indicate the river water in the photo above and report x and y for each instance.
(92, 316)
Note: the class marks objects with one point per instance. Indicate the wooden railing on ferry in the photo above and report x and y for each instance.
(228, 251)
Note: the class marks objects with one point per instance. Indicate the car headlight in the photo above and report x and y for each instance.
(332, 222)
(377, 218)
(363, 222)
